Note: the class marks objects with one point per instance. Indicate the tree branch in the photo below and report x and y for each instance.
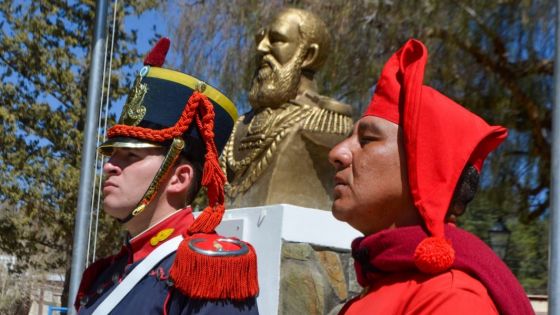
(506, 76)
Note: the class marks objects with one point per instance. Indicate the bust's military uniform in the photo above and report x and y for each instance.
(270, 147)
(181, 265)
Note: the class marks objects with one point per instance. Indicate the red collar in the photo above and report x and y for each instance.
(392, 251)
(174, 225)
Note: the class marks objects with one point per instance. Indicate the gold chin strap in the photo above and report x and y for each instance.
(162, 175)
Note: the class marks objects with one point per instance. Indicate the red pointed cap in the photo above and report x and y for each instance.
(440, 138)
(386, 99)
(156, 57)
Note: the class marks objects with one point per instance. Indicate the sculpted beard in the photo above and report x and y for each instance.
(275, 84)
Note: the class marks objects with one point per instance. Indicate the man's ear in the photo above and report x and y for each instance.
(310, 56)
(181, 179)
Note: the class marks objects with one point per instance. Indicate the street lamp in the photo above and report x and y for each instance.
(499, 238)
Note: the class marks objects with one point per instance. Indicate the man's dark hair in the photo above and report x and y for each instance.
(464, 191)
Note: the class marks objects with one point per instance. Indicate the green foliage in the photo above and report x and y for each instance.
(15, 293)
(44, 72)
(494, 57)
(528, 246)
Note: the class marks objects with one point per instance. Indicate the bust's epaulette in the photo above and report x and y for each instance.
(329, 116)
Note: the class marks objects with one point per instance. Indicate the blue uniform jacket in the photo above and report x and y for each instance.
(155, 293)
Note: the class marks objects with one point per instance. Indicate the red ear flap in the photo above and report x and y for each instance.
(156, 57)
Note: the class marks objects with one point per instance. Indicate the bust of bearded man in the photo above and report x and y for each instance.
(278, 151)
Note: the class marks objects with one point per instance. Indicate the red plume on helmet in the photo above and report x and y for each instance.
(156, 57)
(440, 138)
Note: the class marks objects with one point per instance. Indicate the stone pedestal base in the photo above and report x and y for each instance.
(303, 254)
(315, 279)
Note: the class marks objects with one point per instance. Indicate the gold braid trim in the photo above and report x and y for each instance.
(328, 121)
(271, 145)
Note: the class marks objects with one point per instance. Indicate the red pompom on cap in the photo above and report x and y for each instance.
(156, 57)
(434, 255)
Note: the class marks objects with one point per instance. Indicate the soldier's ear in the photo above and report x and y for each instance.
(181, 179)
(311, 56)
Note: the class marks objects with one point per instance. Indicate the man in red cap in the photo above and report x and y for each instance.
(410, 166)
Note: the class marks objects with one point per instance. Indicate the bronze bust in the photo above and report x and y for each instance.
(278, 151)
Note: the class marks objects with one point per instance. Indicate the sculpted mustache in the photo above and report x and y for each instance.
(263, 73)
(270, 61)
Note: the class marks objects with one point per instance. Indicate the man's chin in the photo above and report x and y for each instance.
(116, 212)
(339, 211)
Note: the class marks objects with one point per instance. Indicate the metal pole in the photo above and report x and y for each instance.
(81, 230)
(554, 240)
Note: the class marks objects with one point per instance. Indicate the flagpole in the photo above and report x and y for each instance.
(554, 239)
(81, 226)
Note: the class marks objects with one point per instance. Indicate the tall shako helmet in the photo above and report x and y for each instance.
(173, 110)
(170, 109)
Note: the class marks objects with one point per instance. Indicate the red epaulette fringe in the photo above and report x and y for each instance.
(200, 276)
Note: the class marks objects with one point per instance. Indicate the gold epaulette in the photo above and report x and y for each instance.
(327, 115)
(327, 121)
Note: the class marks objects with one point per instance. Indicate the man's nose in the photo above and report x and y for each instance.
(111, 168)
(340, 156)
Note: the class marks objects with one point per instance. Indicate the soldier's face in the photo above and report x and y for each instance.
(371, 190)
(128, 173)
(280, 54)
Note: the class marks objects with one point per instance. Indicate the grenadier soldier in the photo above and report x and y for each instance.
(410, 166)
(163, 149)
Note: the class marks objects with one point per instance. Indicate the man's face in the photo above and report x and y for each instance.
(128, 173)
(371, 190)
(280, 54)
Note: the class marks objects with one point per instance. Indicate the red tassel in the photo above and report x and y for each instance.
(208, 220)
(434, 255)
(202, 276)
(156, 57)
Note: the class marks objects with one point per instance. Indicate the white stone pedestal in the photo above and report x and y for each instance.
(268, 227)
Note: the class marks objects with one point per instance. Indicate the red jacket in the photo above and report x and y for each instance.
(478, 282)
(452, 292)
